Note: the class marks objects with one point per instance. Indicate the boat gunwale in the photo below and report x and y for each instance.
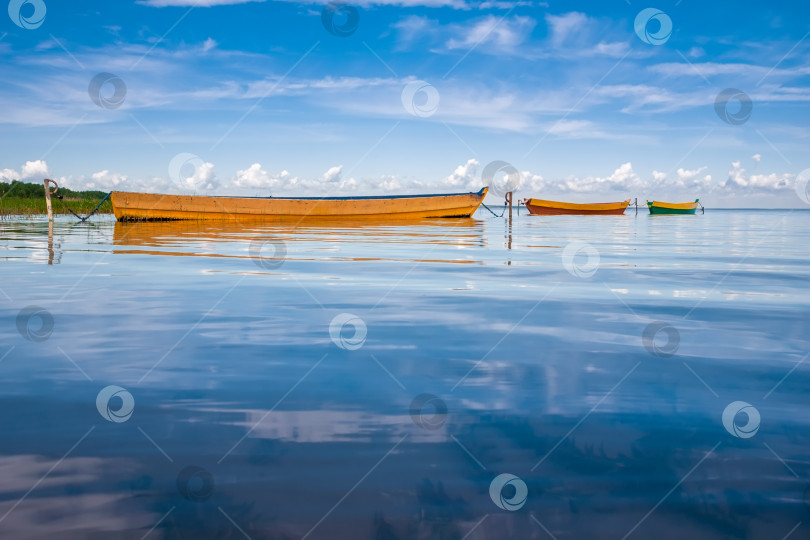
(673, 206)
(353, 198)
(578, 206)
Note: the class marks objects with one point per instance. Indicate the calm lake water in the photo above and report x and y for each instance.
(632, 376)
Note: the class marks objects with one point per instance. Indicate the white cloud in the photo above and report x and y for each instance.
(106, 180)
(9, 175)
(464, 176)
(208, 44)
(771, 182)
(203, 178)
(503, 34)
(333, 174)
(567, 27)
(31, 170)
(757, 157)
(35, 169)
(691, 178)
(255, 177)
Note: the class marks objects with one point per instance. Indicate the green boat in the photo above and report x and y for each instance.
(658, 207)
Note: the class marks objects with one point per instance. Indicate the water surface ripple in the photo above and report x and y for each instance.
(638, 376)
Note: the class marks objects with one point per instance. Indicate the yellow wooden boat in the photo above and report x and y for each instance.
(541, 207)
(658, 207)
(147, 206)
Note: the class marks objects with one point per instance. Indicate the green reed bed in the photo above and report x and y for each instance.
(24, 199)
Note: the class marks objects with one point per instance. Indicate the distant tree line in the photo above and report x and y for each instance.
(24, 190)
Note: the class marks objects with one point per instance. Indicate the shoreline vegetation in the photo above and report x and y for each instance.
(27, 199)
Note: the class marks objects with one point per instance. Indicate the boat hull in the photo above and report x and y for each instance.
(541, 207)
(147, 206)
(658, 207)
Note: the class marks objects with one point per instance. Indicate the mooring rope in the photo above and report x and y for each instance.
(85, 218)
(488, 208)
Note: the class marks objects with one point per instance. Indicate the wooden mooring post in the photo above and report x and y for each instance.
(508, 201)
(48, 194)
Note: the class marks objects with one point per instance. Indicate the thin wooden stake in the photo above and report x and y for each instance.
(48, 194)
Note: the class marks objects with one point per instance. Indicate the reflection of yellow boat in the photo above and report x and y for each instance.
(552, 208)
(229, 239)
(148, 206)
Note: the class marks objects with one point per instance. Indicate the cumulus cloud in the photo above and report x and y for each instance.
(31, 170)
(464, 176)
(9, 175)
(256, 177)
(333, 174)
(35, 169)
(757, 157)
(691, 178)
(622, 178)
(203, 178)
(738, 178)
(105, 180)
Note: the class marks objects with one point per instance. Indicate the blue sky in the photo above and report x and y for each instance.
(226, 96)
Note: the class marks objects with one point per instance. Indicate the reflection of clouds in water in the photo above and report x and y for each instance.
(58, 507)
(319, 426)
